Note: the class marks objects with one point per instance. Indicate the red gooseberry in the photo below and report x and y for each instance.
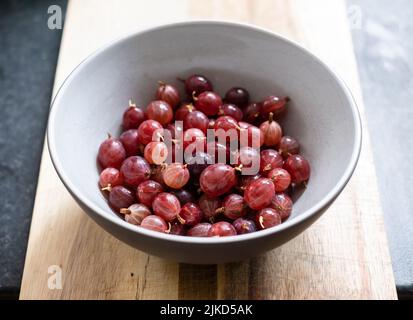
(160, 111)
(111, 153)
(270, 159)
(155, 223)
(168, 93)
(149, 130)
(258, 194)
(218, 179)
(252, 112)
(132, 117)
(281, 179)
(210, 206)
(267, 218)
(110, 177)
(288, 146)
(282, 204)
(196, 119)
(197, 84)
(199, 230)
(156, 152)
(271, 131)
(222, 229)
(176, 175)
(147, 192)
(135, 170)
(208, 102)
(234, 206)
(183, 111)
(238, 96)
(243, 226)
(190, 214)
(130, 141)
(166, 206)
(121, 197)
(298, 167)
(231, 110)
(274, 104)
(135, 213)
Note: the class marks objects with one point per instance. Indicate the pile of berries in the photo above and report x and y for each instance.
(206, 167)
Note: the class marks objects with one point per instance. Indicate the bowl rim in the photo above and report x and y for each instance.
(303, 217)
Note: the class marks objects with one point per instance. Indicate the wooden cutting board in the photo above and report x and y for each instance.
(344, 255)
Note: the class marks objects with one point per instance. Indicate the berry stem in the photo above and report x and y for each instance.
(132, 103)
(160, 136)
(239, 168)
(180, 219)
(169, 228)
(107, 188)
(267, 167)
(190, 107)
(125, 211)
(261, 221)
(220, 210)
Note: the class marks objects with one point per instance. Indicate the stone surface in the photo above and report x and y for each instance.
(384, 49)
(28, 55)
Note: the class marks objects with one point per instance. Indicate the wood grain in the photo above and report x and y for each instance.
(343, 256)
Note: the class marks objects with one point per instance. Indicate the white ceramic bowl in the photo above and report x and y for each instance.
(90, 103)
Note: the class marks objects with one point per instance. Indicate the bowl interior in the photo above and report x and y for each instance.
(92, 100)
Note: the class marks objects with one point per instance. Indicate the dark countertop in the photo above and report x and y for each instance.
(384, 49)
(28, 55)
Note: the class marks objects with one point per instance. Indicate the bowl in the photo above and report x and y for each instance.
(322, 115)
